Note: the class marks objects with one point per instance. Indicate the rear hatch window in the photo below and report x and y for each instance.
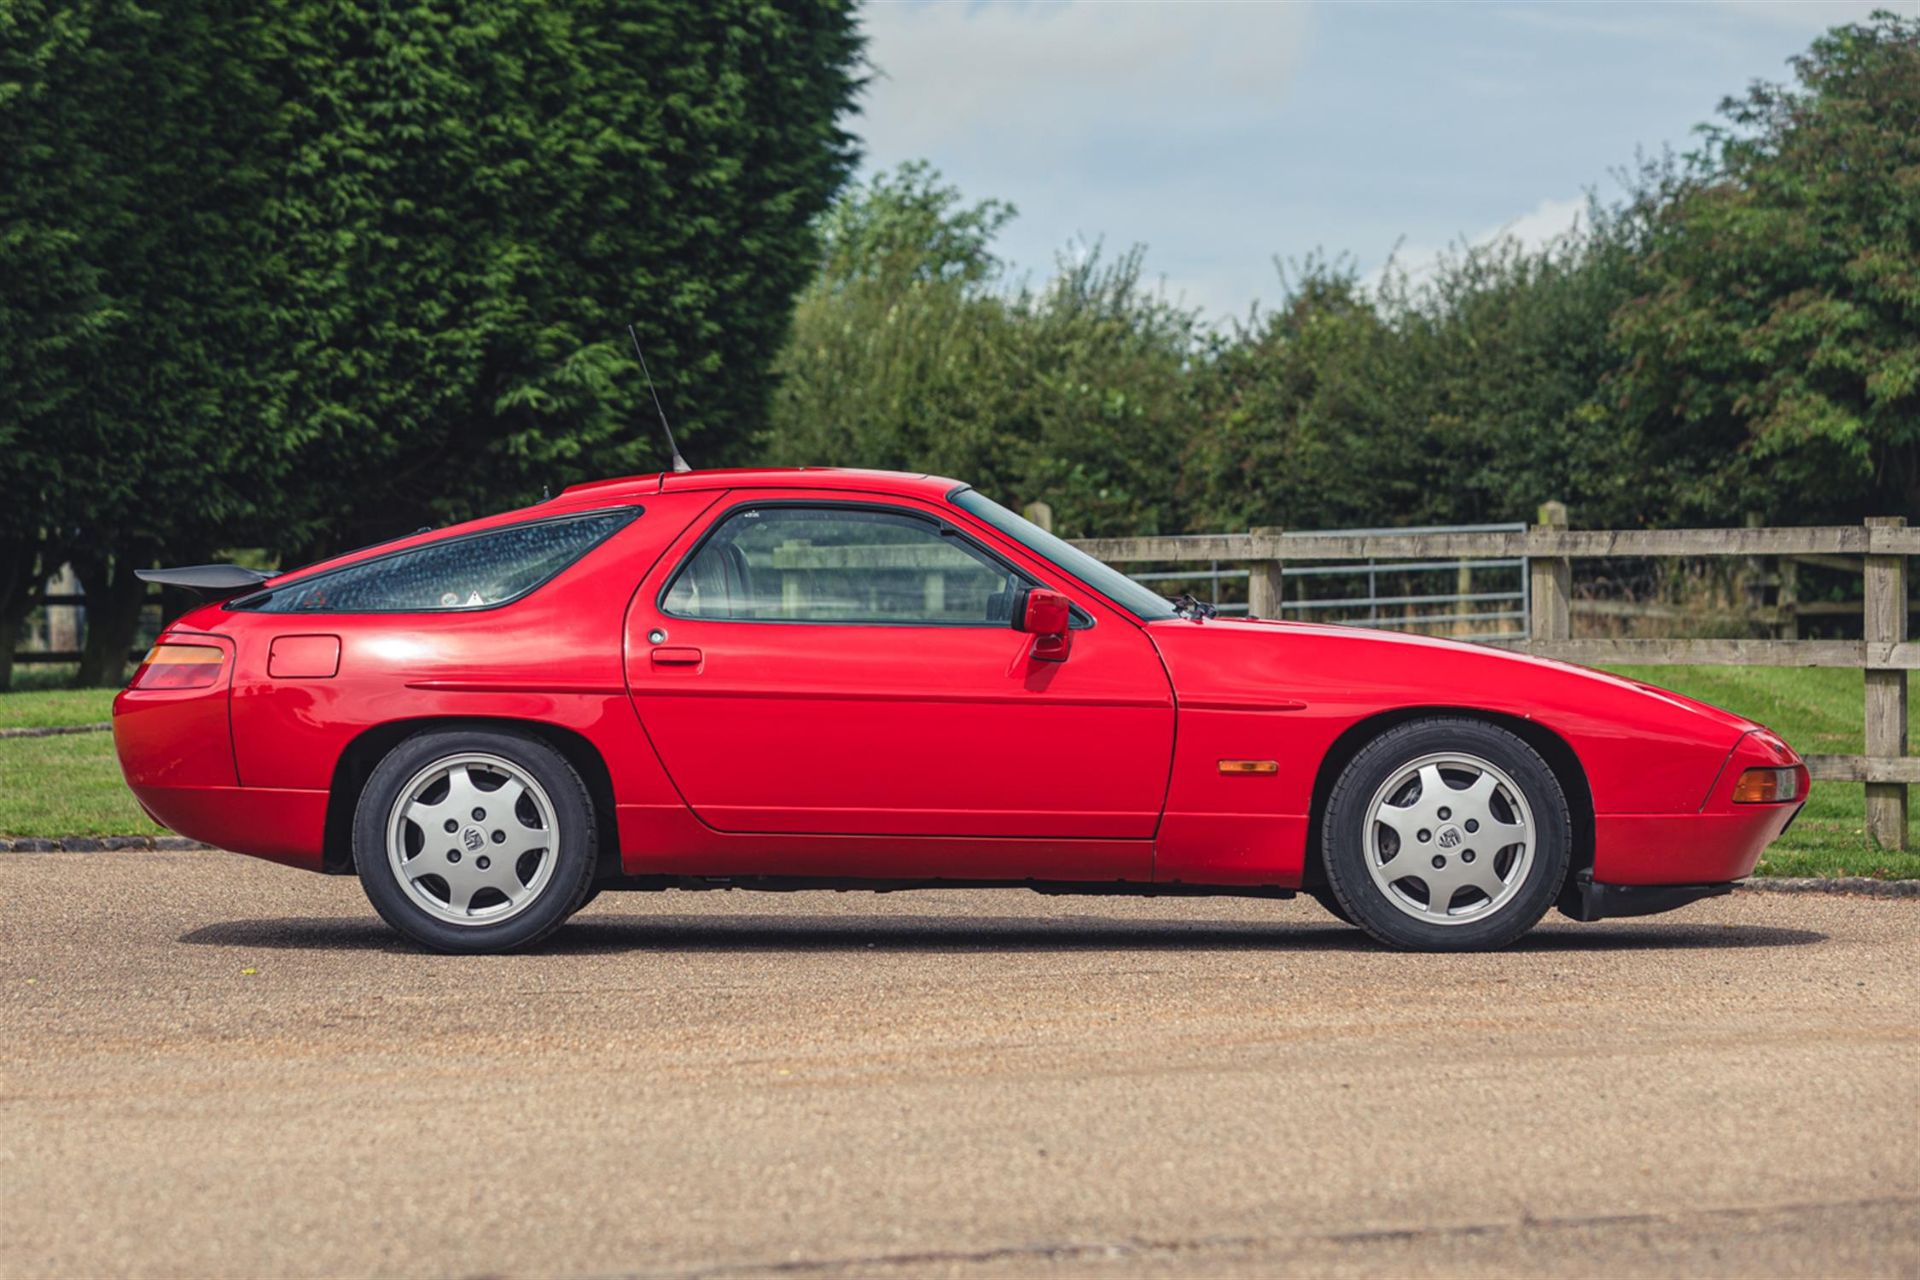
(472, 571)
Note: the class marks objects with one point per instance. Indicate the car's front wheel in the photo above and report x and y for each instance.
(1324, 896)
(1446, 834)
(474, 840)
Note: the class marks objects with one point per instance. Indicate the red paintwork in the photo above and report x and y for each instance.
(797, 728)
(874, 752)
(304, 657)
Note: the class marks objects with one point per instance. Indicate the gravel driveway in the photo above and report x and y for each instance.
(213, 1066)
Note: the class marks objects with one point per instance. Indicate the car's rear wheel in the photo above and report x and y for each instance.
(474, 840)
(1446, 834)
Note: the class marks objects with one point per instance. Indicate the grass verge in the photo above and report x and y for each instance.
(66, 786)
(1820, 711)
(46, 708)
(70, 786)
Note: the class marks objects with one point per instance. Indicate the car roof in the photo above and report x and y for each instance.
(636, 489)
(901, 483)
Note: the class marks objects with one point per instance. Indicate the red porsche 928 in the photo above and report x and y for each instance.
(800, 678)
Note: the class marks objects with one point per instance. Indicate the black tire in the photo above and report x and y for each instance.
(1325, 898)
(562, 886)
(1486, 921)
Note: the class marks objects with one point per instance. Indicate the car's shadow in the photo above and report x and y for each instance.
(601, 933)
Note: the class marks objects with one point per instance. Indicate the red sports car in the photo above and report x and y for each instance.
(825, 678)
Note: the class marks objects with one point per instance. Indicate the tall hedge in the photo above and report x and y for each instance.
(133, 295)
(476, 203)
(306, 273)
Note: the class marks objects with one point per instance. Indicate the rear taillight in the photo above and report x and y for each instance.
(179, 666)
(1767, 786)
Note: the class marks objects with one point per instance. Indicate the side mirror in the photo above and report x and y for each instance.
(1048, 616)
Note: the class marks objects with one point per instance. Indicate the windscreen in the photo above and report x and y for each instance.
(1143, 602)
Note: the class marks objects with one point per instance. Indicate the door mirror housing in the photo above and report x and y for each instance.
(1048, 616)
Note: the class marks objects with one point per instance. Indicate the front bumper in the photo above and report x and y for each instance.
(1720, 842)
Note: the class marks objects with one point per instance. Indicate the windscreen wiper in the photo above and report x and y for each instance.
(1189, 605)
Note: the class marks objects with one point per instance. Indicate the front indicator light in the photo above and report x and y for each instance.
(179, 666)
(1767, 786)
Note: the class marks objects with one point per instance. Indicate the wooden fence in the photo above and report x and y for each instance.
(1881, 545)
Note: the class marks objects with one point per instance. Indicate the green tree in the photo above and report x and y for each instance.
(308, 274)
(1312, 413)
(1517, 344)
(910, 349)
(130, 302)
(1773, 355)
(1108, 395)
(477, 202)
(906, 226)
(899, 354)
(50, 304)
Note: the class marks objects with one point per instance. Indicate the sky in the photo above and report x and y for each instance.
(1223, 135)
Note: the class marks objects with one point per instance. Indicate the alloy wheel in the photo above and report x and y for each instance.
(1449, 838)
(472, 839)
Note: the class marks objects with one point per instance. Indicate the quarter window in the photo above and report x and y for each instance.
(842, 564)
(478, 571)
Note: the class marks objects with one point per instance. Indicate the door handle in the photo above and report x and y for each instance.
(678, 655)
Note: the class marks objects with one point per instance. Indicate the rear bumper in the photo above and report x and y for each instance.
(274, 823)
(1585, 900)
(176, 752)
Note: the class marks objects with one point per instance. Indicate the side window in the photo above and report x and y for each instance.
(478, 571)
(841, 564)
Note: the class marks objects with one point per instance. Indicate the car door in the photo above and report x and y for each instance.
(828, 665)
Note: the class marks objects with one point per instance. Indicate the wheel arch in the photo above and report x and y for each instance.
(361, 756)
(1554, 749)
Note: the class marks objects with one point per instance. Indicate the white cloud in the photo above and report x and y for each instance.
(1812, 15)
(1120, 123)
(1222, 135)
(1543, 224)
(1534, 229)
(1683, 22)
(1037, 82)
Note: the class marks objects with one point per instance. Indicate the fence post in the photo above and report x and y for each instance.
(1885, 623)
(63, 621)
(1550, 580)
(1463, 587)
(1264, 580)
(1750, 579)
(1041, 513)
(1787, 603)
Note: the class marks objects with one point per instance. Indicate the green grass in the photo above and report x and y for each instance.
(32, 676)
(1819, 711)
(48, 707)
(70, 786)
(65, 786)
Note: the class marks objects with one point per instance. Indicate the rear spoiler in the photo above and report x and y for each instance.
(214, 581)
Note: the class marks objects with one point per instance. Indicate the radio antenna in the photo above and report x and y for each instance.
(679, 463)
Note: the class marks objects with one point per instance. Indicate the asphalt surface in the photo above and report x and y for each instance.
(212, 1066)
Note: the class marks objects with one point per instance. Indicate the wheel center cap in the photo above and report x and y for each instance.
(1449, 837)
(472, 838)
